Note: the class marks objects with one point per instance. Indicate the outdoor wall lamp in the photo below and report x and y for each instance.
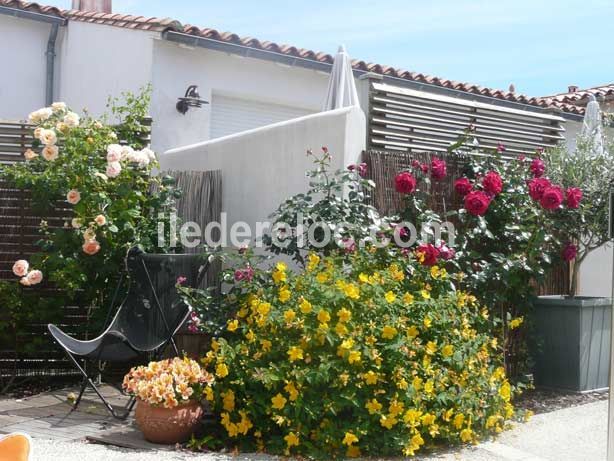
(190, 99)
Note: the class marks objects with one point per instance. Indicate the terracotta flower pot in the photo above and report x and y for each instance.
(168, 425)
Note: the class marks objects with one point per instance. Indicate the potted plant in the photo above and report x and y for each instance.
(573, 332)
(169, 395)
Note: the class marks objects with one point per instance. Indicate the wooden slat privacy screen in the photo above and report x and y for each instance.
(15, 138)
(406, 120)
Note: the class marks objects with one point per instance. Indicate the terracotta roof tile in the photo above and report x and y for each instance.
(566, 102)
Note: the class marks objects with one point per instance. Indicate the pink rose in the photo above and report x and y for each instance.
(492, 183)
(552, 198)
(537, 167)
(361, 168)
(91, 247)
(537, 187)
(574, 195)
(101, 220)
(438, 169)
(244, 274)
(477, 202)
(20, 268)
(34, 277)
(569, 252)
(500, 148)
(349, 245)
(181, 280)
(427, 254)
(462, 186)
(73, 197)
(445, 252)
(113, 169)
(24, 281)
(405, 183)
(114, 153)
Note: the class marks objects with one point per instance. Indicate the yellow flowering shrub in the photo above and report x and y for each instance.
(364, 354)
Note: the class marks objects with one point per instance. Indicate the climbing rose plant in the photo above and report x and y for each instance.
(368, 353)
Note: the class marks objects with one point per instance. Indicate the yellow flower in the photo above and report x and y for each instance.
(349, 439)
(459, 420)
(279, 401)
(281, 266)
(390, 297)
(427, 322)
(435, 272)
(221, 370)
(347, 344)
(417, 383)
(279, 276)
(389, 332)
(427, 419)
(323, 316)
(396, 408)
(364, 278)
(233, 325)
(412, 332)
(431, 348)
(284, 294)
(295, 353)
(305, 306)
(250, 336)
(466, 435)
(408, 298)
(354, 357)
(289, 315)
(370, 377)
(414, 444)
(344, 315)
(292, 440)
(515, 323)
(447, 350)
(228, 399)
(425, 294)
(412, 417)
(322, 277)
(292, 391)
(312, 261)
(505, 391)
(353, 451)
(373, 406)
(341, 329)
(429, 387)
(264, 308)
(388, 421)
(351, 291)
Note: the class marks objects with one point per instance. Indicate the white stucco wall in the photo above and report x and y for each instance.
(97, 61)
(176, 67)
(22, 53)
(262, 167)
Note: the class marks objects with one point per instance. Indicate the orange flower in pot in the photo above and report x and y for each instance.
(169, 395)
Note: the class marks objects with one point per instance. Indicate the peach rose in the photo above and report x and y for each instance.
(91, 247)
(58, 106)
(34, 277)
(114, 153)
(40, 115)
(73, 197)
(24, 281)
(100, 220)
(50, 153)
(37, 132)
(89, 234)
(61, 127)
(48, 137)
(71, 119)
(20, 268)
(75, 223)
(114, 169)
(30, 154)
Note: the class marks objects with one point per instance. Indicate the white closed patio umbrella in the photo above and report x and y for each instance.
(341, 86)
(592, 127)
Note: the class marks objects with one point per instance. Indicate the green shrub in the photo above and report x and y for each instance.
(370, 353)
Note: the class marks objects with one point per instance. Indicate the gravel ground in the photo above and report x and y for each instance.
(546, 400)
(572, 434)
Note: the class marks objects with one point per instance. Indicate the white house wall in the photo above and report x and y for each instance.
(23, 43)
(97, 61)
(175, 67)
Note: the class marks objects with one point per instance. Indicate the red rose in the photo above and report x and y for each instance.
(438, 169)
(569, 252)
(492, 183)
(537, 168)
(405, 183)
(537, 187)
(477, 202)
(427, 254)
(462, 186)
(574, 195)
(552, 198)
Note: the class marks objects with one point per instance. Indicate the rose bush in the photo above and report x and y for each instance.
(372, 353)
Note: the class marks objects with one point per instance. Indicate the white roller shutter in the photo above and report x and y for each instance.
(232, 115)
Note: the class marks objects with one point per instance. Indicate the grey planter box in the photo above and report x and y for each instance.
(573, 342)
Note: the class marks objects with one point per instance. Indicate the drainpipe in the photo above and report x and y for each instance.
(53, 35)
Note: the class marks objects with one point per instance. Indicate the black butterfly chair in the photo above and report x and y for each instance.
(145, 322)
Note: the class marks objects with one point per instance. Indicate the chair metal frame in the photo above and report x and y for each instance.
(124, 411)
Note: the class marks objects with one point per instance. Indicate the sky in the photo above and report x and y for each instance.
(541, 46)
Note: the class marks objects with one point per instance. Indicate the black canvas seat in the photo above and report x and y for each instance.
(147, 319)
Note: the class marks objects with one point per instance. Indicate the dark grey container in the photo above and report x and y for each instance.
(572, 348)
